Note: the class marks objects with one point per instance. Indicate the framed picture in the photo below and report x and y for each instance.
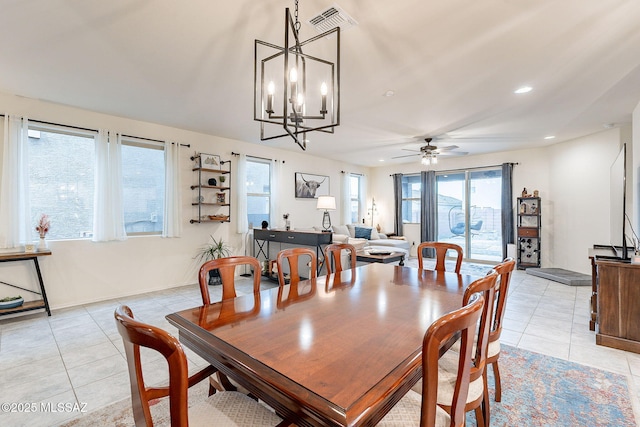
(210, 161)
(310, 186)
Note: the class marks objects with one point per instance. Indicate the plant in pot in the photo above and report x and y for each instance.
(214, 250)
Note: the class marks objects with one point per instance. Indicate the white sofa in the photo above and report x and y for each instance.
(360, 236)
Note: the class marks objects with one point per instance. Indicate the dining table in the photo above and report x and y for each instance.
(336, 350)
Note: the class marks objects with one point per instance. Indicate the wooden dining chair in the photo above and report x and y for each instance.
(226, 268)
(226, 408)
(414, 409)
(293, 256)
(504, 270)
(333, 256)
(441, 249)
(448, 365)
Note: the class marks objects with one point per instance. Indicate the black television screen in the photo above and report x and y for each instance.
(618, 203)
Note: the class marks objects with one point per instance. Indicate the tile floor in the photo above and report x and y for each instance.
(76, 358)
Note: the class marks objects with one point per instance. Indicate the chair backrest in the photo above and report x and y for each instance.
(463, 320)
(441, 249)
(292, 257)
(504, 270)
(135, 334)
(227, 269)
(487, 287)
(332, 256)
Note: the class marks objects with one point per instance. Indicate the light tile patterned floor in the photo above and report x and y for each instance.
(75, 357)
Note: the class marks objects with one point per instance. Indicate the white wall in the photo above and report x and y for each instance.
(81, 271)
(573, 181)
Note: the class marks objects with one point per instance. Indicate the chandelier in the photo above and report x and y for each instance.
(429, 158)
(297, 86)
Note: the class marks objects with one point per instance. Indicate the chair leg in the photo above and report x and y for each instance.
(496, 374)
(224, 381)
(479, 417)
(485, 399)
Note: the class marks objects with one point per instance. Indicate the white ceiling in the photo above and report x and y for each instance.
(453, 65)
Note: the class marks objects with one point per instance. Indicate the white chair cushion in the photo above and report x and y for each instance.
(494, 348)
(447, 375)
(407, 413)
(231, 408)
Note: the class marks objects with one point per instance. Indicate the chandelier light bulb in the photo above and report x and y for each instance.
(293, 75)
(271, 88)
(323, 89)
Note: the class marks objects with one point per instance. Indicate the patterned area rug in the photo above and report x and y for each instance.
(537, 390)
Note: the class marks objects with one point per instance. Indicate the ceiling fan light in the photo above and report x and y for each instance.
(425, 160)
(434, 159)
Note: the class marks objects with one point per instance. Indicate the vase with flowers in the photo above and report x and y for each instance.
(43, 228)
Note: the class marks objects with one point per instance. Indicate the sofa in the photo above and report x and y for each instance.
(361, 236)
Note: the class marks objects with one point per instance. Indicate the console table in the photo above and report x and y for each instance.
(42, 303)
(262, 240)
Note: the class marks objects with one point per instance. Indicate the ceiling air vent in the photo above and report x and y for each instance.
(331, 18)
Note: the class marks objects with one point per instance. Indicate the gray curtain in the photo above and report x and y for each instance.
(507, 207)
(397, 194)
(428, 209)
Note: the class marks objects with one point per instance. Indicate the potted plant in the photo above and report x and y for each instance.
(214, 250)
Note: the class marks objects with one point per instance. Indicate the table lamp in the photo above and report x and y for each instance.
(328, 203)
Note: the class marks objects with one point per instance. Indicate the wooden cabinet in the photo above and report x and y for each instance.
(618, 311)
(528, 228)
(212, 190)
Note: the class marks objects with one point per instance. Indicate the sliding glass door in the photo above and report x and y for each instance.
(469, 212)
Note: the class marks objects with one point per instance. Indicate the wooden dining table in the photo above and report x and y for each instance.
(338, 350)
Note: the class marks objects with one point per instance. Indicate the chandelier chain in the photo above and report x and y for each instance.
(297, 25)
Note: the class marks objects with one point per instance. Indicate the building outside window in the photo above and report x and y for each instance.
(143, 172)
(258, 191)
(61, 180)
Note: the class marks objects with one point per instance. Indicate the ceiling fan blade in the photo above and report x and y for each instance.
(448, 148)
(408, 155)
(453, 153)
(415, 151)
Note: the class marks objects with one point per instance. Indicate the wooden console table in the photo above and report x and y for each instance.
(262, 240)
(618, 312)
(42, 303)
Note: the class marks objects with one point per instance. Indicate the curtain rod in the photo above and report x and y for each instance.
(233, 153)
(464, 169)
(95, 130)
(352, 173)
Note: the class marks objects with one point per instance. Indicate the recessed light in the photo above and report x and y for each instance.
(381, 160)
(388, 93)
(549, 137)
(523, 89)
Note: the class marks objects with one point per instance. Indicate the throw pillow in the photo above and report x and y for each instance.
(362, 233)
(340, 229)
(357, 243)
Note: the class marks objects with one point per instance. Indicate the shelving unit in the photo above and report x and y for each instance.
(528, 226)
(213, 202)
(41, 303)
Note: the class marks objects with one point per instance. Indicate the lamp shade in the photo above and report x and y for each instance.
(326, 203)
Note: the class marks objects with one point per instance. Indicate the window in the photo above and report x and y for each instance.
(411, 190)
(354, 196)
(61, 177)
(143, 171)
(258, 191)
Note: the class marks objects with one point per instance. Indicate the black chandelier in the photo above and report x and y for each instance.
(295, 85)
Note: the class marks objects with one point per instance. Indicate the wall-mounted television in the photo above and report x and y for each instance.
(618, 204)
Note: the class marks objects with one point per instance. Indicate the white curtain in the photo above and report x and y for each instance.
(362, 200)
(108, 212)
(241, 194)
(15, 212)
(276, 180)
(172, 226)
(346, 199)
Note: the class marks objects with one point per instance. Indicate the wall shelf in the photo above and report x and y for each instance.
(213, 202)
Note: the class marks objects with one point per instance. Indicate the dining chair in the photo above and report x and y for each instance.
(448, 365)
(333, 256)
(226, 268)
(226, 408)
(504, 270)
(441, 249)
(293, 256)
(414, 409)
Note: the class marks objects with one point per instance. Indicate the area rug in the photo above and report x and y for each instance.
(537, 390)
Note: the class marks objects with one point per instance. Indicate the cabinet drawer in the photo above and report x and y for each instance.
(527, 232)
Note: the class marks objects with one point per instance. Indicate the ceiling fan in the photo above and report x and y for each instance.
(430, 152)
